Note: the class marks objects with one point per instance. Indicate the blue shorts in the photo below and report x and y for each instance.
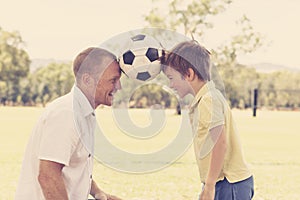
(242, 190)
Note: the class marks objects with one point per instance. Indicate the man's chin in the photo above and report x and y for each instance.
(109, 101)
(107, 104)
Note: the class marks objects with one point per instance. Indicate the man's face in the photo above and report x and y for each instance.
(177, 82)
(108, 84)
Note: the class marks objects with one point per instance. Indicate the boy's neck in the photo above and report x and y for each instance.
(197, 85)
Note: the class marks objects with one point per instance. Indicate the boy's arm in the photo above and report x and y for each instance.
(216, 163)
(98, 194)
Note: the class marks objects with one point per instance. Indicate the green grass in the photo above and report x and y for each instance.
(270, 142)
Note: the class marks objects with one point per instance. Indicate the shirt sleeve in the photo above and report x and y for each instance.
(211, 112)
(58, 139)
(211, 123)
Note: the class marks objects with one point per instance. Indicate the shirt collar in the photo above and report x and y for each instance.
(206, 87)
(83, 102)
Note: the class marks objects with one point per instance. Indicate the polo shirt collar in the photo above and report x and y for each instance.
(83, 102)
(206, 87)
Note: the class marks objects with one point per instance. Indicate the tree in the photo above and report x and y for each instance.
(152, 95)
(279, 90)
(247, 40)
(193, 17)
(50, 82)
(14, 64)
(139, 94)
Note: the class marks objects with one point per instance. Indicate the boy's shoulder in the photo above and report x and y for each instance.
(213, 101)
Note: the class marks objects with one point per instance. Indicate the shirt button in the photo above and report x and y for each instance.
(89, 155)
(91, 176)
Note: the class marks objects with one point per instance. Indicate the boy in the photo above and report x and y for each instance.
(223, 170)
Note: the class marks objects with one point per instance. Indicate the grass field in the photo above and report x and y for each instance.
(270, 141)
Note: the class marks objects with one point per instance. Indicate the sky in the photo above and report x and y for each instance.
(59, 30)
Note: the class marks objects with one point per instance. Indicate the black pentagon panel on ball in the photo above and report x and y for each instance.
(152, 54)
(128, 57)
(138, 37)
(143, 76)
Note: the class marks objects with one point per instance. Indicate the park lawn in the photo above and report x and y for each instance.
(270, 143)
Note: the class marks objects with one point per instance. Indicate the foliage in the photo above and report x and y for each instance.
(50, 82)
(276, 90)
(137, 94)
(14, 65)
(193, 17)
(239, 83)
(247, 40)
(279, 90)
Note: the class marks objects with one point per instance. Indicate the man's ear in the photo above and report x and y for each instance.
(191, 75)
(86, 79)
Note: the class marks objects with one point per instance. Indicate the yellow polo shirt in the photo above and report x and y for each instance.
(209, 110)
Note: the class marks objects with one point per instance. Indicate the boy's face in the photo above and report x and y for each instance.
(177, 82)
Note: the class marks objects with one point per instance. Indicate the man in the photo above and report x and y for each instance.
(222, 167)
(58, 160)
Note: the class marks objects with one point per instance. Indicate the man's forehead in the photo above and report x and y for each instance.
(113, 69)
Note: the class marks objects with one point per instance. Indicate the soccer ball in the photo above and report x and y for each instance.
(140, 60)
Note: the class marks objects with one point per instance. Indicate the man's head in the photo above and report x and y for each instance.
(186, 65)
(97, 74)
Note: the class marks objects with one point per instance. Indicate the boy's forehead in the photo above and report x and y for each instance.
(171, 69)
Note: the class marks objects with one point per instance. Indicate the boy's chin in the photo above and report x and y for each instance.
(182, 95)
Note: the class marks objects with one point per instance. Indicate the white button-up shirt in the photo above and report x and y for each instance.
(64, 134)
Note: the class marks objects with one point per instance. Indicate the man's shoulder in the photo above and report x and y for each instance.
(62, 105)
(64, 100)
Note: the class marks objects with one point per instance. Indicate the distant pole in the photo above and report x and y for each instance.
(255, 101)
(178, 109)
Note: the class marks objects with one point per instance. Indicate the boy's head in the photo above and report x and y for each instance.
(187, 55)
(187, 66)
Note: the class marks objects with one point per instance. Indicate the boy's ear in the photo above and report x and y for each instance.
(191, 75)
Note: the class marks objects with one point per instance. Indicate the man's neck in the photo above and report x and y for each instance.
(87, 95)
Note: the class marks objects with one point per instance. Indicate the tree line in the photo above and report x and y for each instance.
(20, 86)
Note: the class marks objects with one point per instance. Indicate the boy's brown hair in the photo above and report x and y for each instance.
(187, 55)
